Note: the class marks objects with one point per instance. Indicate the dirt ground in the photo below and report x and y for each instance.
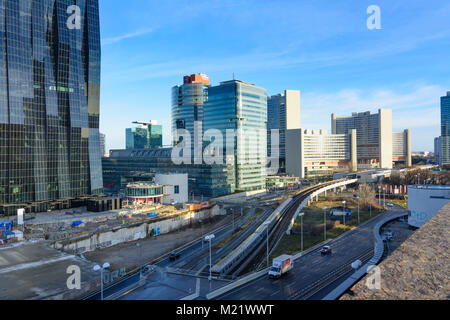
(126, 255)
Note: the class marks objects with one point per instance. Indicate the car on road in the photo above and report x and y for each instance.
(390, 205)
(388, 235)
(325, 250)
(174, 256)
(149, 269)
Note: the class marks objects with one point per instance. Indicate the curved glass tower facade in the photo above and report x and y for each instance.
(187, 106)
(49, 102)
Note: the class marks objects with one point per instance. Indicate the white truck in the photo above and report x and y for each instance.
(281, 265)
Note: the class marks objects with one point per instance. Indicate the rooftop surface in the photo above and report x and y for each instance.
(430, 187)
(419, 269)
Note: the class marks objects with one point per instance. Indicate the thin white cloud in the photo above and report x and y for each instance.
(112, 40)
(418, 107)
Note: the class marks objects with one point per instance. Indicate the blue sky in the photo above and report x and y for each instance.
(322, 48)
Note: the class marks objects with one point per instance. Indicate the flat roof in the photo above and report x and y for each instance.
(429, 187)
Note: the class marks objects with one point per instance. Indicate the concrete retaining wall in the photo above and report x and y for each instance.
(131, 233)
(240, 195)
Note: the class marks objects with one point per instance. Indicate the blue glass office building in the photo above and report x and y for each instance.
(445, 129)
(241, 107)
(49, 102)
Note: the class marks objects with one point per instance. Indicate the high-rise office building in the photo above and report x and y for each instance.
(283, 113)
(187, 106)
(155, 135)
(102, 144)
(136, 138)
(437, 150)
(311, 153)
(147, 136)
(240, 107)
(401, 147)
(49, 102)
(378, 146)
(445, 130)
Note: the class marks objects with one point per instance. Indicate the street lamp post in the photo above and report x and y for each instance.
(358, 208)
(324, 223)
(384, 196)
(209, 238)
(345, 213)
(301, 214)
(97, 268)
(266, 224)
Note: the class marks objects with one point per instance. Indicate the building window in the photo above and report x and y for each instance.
(177, 189)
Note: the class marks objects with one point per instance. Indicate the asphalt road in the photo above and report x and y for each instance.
(186, 256)
(312, 266)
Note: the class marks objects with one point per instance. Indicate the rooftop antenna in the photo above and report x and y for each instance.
(233, 76)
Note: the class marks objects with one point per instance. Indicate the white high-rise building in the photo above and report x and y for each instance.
(378, 146)
(283, 113)
(311, 153)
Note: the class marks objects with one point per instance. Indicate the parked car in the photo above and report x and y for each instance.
(149, 269)
(325, 250)
(174, 255)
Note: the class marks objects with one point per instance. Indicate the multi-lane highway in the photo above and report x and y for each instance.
(312, 267)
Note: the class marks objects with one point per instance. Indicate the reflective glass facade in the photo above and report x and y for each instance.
(203, 179)
(49, 101)
(136, 138)
(445, 129)
(241, 107)
(146, 137)
(155, 136)
(187, 107)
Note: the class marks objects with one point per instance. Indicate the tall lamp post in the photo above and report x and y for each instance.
(209, 238)
(97, 268)
(266, 224)
(345, 213)
(301, 214)
(324, 223)
(358, 208)
(379, 195)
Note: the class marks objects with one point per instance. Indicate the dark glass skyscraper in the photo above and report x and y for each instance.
(49, 102)
(445, 130)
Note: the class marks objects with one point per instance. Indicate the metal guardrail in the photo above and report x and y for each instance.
(378, 254)
(236, 284)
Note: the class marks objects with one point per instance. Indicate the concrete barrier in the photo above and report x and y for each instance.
(120, 234)
(236, 284)
(256, 275)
